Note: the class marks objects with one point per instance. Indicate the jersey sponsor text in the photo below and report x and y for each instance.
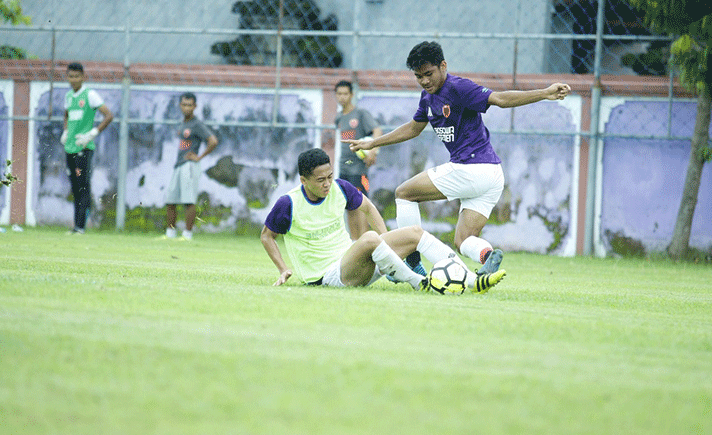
(446, 134)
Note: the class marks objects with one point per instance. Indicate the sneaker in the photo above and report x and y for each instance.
(487, 281)
(492, 263)
(424, 285)
(413, 261)
(419, 269)
(75, 232)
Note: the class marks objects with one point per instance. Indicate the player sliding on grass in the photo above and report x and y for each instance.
(311, 218)
(454, 107)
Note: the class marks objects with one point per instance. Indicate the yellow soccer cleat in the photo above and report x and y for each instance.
(485, 282)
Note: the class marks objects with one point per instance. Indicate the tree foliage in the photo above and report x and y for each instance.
(11, 11)
(691, 21)
(303, 51)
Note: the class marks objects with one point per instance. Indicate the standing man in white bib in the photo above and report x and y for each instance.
(80, 107)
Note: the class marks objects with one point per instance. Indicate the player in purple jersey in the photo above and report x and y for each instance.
(454, 106)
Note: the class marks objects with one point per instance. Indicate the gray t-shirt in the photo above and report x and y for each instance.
(354, 125)
(190, 135)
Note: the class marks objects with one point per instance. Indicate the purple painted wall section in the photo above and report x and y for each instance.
(643, 179)
(269, 155)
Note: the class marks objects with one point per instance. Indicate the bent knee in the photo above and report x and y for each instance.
(403, 192)
(371, 238)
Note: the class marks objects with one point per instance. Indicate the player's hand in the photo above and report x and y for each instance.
(190, 155)
(558, 91)
(359, 144)
(63, 138)
(283, 277)
(82, 139)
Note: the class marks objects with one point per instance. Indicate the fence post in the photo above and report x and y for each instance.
(124, 129)
(595, 147)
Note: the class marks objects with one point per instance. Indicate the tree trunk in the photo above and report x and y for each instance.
(683, 226)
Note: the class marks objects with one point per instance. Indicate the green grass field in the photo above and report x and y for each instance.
(113, 333)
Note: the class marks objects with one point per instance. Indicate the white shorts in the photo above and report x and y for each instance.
(332, 275)
(183, 188)
(478, 186)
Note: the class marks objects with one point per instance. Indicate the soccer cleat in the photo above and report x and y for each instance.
(485, 282)
(492, 263)
(424, 285)
(419, 269)
(413, 261)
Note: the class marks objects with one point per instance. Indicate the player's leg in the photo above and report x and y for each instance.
(467, 240)
(83, 203)
(190, 180)
(487, 184)
(72, 172)
(190, 212)
(370, 250)
(405, 240)
(411, 192)
(171, 217)
(172, 199)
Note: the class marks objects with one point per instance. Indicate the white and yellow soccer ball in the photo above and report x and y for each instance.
(448, 277)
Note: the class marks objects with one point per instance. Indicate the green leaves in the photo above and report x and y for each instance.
(12, 11)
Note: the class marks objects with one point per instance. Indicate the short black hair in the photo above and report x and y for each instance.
(310, 159)
(346, 83)
(425, 53)
(188, 96)
(75, 66)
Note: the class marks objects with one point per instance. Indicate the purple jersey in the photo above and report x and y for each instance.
(279, 218)
(455, 112)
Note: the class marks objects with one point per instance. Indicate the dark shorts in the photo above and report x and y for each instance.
(359, 181)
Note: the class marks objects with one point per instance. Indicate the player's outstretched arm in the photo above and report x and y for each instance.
(506, 99)
(407, 131)
(269, 242)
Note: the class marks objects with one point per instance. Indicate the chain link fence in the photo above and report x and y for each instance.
(264, 72)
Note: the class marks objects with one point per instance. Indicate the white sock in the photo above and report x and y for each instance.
(475, 248)
(407, 213)
(434, 250)
(188, 235)
(171, 232)
(389, 263)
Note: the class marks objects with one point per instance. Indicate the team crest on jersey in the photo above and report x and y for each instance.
(186, 132)
(81, 103)
(353, 122)
(446, 110)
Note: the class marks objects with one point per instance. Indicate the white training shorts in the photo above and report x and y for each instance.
(332, 275)
(478, 186)
(183, 188)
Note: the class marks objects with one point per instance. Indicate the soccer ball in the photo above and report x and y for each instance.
(448, 277)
